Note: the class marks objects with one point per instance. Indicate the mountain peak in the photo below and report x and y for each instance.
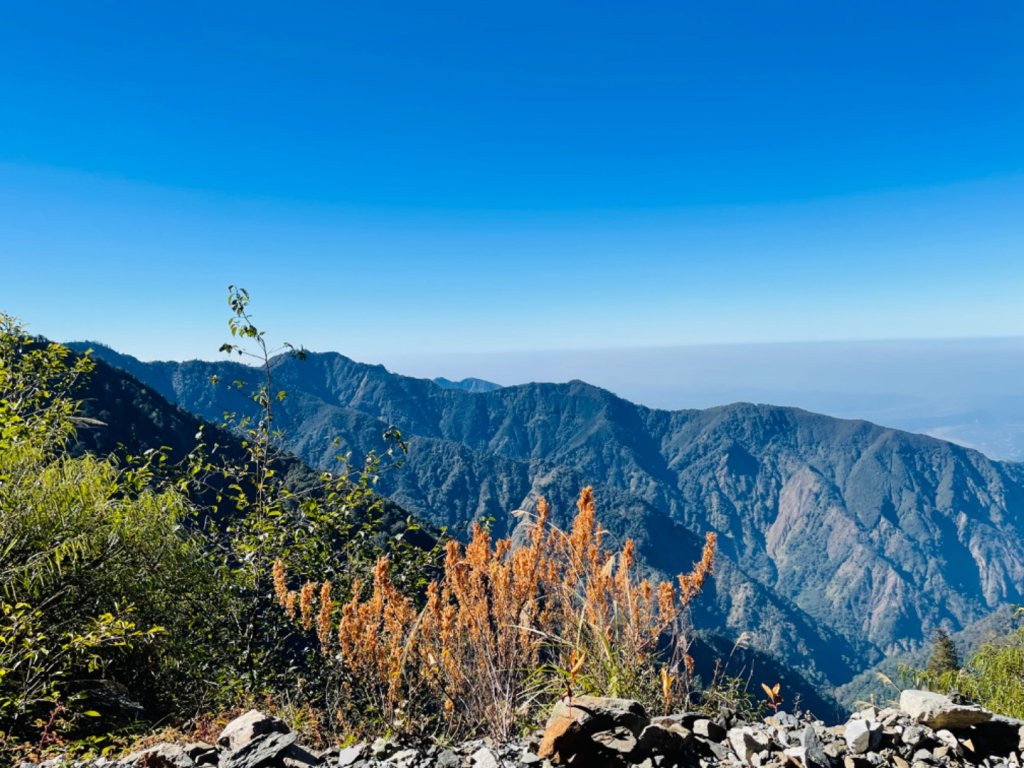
(467, 385)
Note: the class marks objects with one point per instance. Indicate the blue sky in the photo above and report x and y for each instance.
(462, 177)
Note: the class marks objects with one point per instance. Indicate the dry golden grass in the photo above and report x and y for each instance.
(505, 630)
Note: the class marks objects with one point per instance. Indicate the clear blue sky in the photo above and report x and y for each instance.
(406, 177)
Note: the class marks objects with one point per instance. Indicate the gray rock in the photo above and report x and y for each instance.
(709, 729)
(671, 741)
(912, 735)
(795, 755)
(349, 755)
(382, 748)
(245, 728)
(447, 759)
(718, 750)
(938, 711)
(947, 738)
(260, 750)
(782, 719)
(814, 750)
(484, 758)
(890, 716)
(746, 742)
(403, 758)
(201, 753)
(835, 749)
(620, 740)
(299, 757)
(162, 756)
(685, 719)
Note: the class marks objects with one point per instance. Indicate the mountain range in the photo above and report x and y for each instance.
(841, 543)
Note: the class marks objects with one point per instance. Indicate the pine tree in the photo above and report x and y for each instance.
(945, 657)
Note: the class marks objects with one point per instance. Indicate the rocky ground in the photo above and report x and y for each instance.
(927, 730)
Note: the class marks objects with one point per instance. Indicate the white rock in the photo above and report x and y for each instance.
(484, 758)
(859, 735)
(349, 755)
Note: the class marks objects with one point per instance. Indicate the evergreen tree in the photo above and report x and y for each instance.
(945, 657)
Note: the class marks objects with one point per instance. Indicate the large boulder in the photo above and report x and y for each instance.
(573, 724)
(254, 739)
(260, 751)
(814, 755)
(245, 728)
(937, 711)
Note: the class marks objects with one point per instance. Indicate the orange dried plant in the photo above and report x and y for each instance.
(774, 697)
(506, 628)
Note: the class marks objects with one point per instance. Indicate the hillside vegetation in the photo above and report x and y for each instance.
(841, 543)
(177, 584)
(136, 588)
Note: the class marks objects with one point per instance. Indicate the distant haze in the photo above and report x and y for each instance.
(969, 391)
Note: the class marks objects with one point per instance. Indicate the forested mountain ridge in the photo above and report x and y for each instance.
(841, 541)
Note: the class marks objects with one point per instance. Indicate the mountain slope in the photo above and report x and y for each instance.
(841, 542)
(134, 418)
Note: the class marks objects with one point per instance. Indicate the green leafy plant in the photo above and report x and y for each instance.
(134, 587)
(89, 561)
(332, 526)
(993, 676)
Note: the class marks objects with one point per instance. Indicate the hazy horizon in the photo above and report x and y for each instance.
(966, 391)
(410, 187)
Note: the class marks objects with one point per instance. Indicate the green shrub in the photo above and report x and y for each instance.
(92, 564)
(131, 589)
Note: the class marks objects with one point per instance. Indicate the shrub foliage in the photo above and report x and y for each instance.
(136, 588)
